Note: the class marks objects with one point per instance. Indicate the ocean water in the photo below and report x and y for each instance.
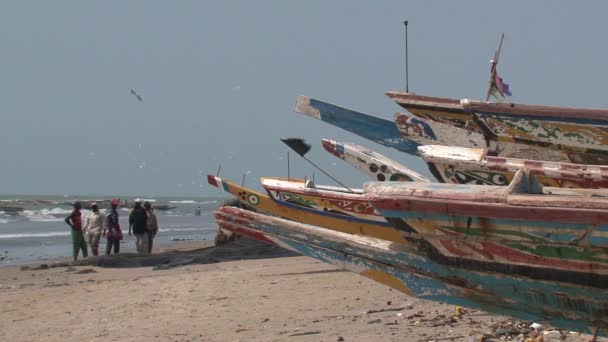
(39, 233)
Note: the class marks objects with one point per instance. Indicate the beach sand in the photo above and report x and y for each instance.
(196, 294)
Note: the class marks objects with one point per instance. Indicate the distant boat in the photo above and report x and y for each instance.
(583, 132)
(11, 210)
(163, 206)
(473, 166)
(86, 203)
(405, 268)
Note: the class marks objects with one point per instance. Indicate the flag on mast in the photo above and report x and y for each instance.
(499, 89)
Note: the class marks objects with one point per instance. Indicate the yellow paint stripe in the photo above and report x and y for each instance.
(268, 205)
(387, 279)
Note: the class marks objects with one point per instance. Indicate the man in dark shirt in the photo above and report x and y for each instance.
(74, 220)
(137, 222)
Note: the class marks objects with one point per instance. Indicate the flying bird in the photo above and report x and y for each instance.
(136, 95)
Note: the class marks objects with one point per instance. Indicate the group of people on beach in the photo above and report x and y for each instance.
(142, 221)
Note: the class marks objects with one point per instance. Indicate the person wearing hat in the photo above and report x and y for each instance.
(93, 228)
(74, 220)
(112, 229)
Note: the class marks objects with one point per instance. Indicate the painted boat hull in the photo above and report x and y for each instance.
(572, 129)
(429, 132)
(264, 203)
(367, 126)
(403, 268)
(330, 201)
(374, 165)
(473, 166)
(483, 228)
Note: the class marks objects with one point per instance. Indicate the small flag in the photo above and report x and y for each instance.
(503, 87)
(499, 88)
(298, 145)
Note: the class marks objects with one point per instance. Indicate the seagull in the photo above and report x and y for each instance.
(137, 95)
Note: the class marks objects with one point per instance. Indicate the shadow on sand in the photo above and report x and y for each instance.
(239, 249)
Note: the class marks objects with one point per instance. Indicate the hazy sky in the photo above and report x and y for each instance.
(219, 81)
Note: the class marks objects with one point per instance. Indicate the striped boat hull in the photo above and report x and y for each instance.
(404, 268)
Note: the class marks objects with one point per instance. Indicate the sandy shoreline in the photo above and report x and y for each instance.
(197, 294)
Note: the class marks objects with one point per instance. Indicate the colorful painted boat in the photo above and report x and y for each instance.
(429, 132)
(374, 165)
(521, 229)
(583, 132)
(344, 223)
(404, 268)
(473, 166)
(330, 200)
(367, 126)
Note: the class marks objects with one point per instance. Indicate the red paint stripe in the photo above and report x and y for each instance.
(211, 180)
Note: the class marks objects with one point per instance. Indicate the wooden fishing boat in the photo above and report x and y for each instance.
(581, 131)
(474, 166)
(522, 229)
(328, 218)
(374, 165)
(429, 132)
(331, 200)
(379, 130)
(405, 268)
(11, 210)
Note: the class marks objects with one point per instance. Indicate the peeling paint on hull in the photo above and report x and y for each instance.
(582, 133)
(473, 166)
(429, 132)
(547, 237)
(404, 268)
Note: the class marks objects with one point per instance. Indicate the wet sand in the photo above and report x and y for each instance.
(192, 293)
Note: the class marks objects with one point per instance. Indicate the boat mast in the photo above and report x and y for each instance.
(493, 69)
(407, 90)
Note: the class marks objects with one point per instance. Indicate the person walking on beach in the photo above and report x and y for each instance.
(74, 220)
(151, 224)
(93, 228)
(112, 230)
(138, 223)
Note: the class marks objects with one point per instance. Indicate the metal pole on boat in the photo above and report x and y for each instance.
(493, 68)
(301, 148)
(407, 89)
(287, 165)
(218, 170)
(327, 174)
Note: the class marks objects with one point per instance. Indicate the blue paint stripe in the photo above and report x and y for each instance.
(340, 150)
(503, 285)
(433, 289)
(226, 187)
(381, 131)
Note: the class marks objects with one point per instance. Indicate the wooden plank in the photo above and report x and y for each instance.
(370, 127)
